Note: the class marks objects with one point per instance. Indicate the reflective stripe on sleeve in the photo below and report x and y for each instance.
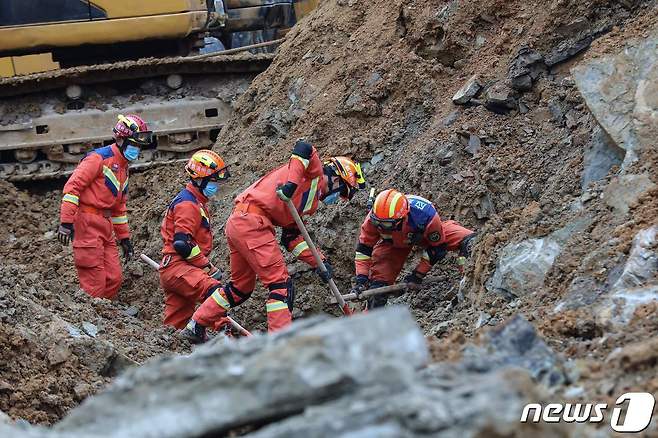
(361, 256)
(120, 220)
(69, 197)
(311, 194)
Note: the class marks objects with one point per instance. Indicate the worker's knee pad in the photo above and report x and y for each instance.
(289, 299)
(466, 245)
(234, 296)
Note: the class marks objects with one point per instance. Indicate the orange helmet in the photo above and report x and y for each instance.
(206, 163)
(389, 210)
(350, 172)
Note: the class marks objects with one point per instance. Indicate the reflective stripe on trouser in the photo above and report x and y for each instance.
(96, 256)
(254, 252)
(212, 313)
(184, 286)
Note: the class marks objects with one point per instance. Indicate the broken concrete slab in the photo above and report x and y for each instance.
(468, 91)
(621, 91)
(625, 190)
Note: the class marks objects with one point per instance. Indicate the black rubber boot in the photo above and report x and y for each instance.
(194, 333)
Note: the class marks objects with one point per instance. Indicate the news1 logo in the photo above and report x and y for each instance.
(638, 412)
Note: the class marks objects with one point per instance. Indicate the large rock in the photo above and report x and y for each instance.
(638, 283)
(468, 91)
(225, 386)
(443, 401)
(625, 190)
(600, 155)
(622, 93)
(516, 343)
(525, 68)
(499, 98)
(522, 267)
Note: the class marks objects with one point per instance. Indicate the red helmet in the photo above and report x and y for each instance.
(389, 210)
(134, 128)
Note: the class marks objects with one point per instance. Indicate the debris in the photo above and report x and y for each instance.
(474, 144)
(623, 191)
(516, 343)
(131, 311)
(525, 68)
(567, 49)
(468, 91)
(499, 98)
(637, 284)
(636, 356)
(522, 266)
(59, 353)
(90, 329)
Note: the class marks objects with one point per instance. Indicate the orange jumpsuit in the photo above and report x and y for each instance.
(183, 280)
(95, 203)
(381, 255)
(254, 251)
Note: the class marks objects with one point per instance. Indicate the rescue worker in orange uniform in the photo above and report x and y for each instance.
(395, 225)
(186, 275)
(93, 211)
(250, 234)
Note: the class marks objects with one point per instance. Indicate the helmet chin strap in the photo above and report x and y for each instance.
(331, 174)
(200, 183)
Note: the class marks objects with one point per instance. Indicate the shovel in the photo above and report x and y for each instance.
(153, 264)
(387, 290)
(332, 284)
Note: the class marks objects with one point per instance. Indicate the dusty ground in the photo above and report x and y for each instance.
(372, 80)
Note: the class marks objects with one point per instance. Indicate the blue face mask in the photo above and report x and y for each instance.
(211, 189)
(331, 199)
(131, 152)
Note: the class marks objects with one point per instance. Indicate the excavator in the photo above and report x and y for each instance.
(68, 68)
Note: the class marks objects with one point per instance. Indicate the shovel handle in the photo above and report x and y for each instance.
(344, 307)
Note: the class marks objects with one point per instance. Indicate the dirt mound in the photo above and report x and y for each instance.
(375, 80)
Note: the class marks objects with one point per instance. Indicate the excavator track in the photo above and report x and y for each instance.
(50, 120)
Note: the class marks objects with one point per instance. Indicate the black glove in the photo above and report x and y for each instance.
(286, 191)
(127, 248)
(65, 234)
(329, 274)
(415, 278)
(360, 284)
